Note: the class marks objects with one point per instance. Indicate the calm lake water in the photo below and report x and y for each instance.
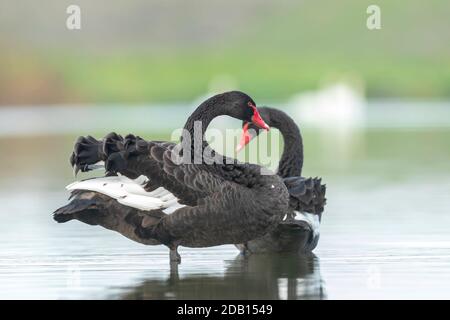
(385, 232)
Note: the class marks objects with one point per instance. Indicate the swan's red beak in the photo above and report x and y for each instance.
(246, 137)
(256, 118)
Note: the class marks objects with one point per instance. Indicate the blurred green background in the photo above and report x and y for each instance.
(373, 108)
(168, 51)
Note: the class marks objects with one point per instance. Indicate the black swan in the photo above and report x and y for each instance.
(118, 197)
(299, 231)
(225, 201)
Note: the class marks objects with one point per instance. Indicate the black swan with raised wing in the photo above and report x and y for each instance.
(299, 231)
(114, 198)
(225, 201)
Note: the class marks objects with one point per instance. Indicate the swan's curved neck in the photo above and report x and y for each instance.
(202, 117)
(197, 123)
(291, 161)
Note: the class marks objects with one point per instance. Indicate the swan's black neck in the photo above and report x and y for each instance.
(291, 161)
(198, 122)
(203, 115)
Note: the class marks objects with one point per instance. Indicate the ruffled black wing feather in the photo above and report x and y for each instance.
(306, 194)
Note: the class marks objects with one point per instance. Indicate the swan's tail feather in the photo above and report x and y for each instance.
(306, 194)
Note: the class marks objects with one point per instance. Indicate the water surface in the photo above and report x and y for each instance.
(385, 231)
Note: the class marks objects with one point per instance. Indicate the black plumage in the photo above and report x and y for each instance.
(94, 208)
(225, 203)
(306, 195)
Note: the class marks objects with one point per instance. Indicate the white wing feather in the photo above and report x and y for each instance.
(129, 192)
(311, 219)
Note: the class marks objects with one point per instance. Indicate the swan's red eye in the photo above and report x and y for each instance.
(256, 118)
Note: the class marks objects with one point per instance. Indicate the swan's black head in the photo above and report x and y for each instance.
(239, 105)
(251, 131)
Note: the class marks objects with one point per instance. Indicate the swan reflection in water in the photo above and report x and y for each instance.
(271, 276)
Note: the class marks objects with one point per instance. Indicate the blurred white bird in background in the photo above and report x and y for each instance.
(338, 110)
(337, 105)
